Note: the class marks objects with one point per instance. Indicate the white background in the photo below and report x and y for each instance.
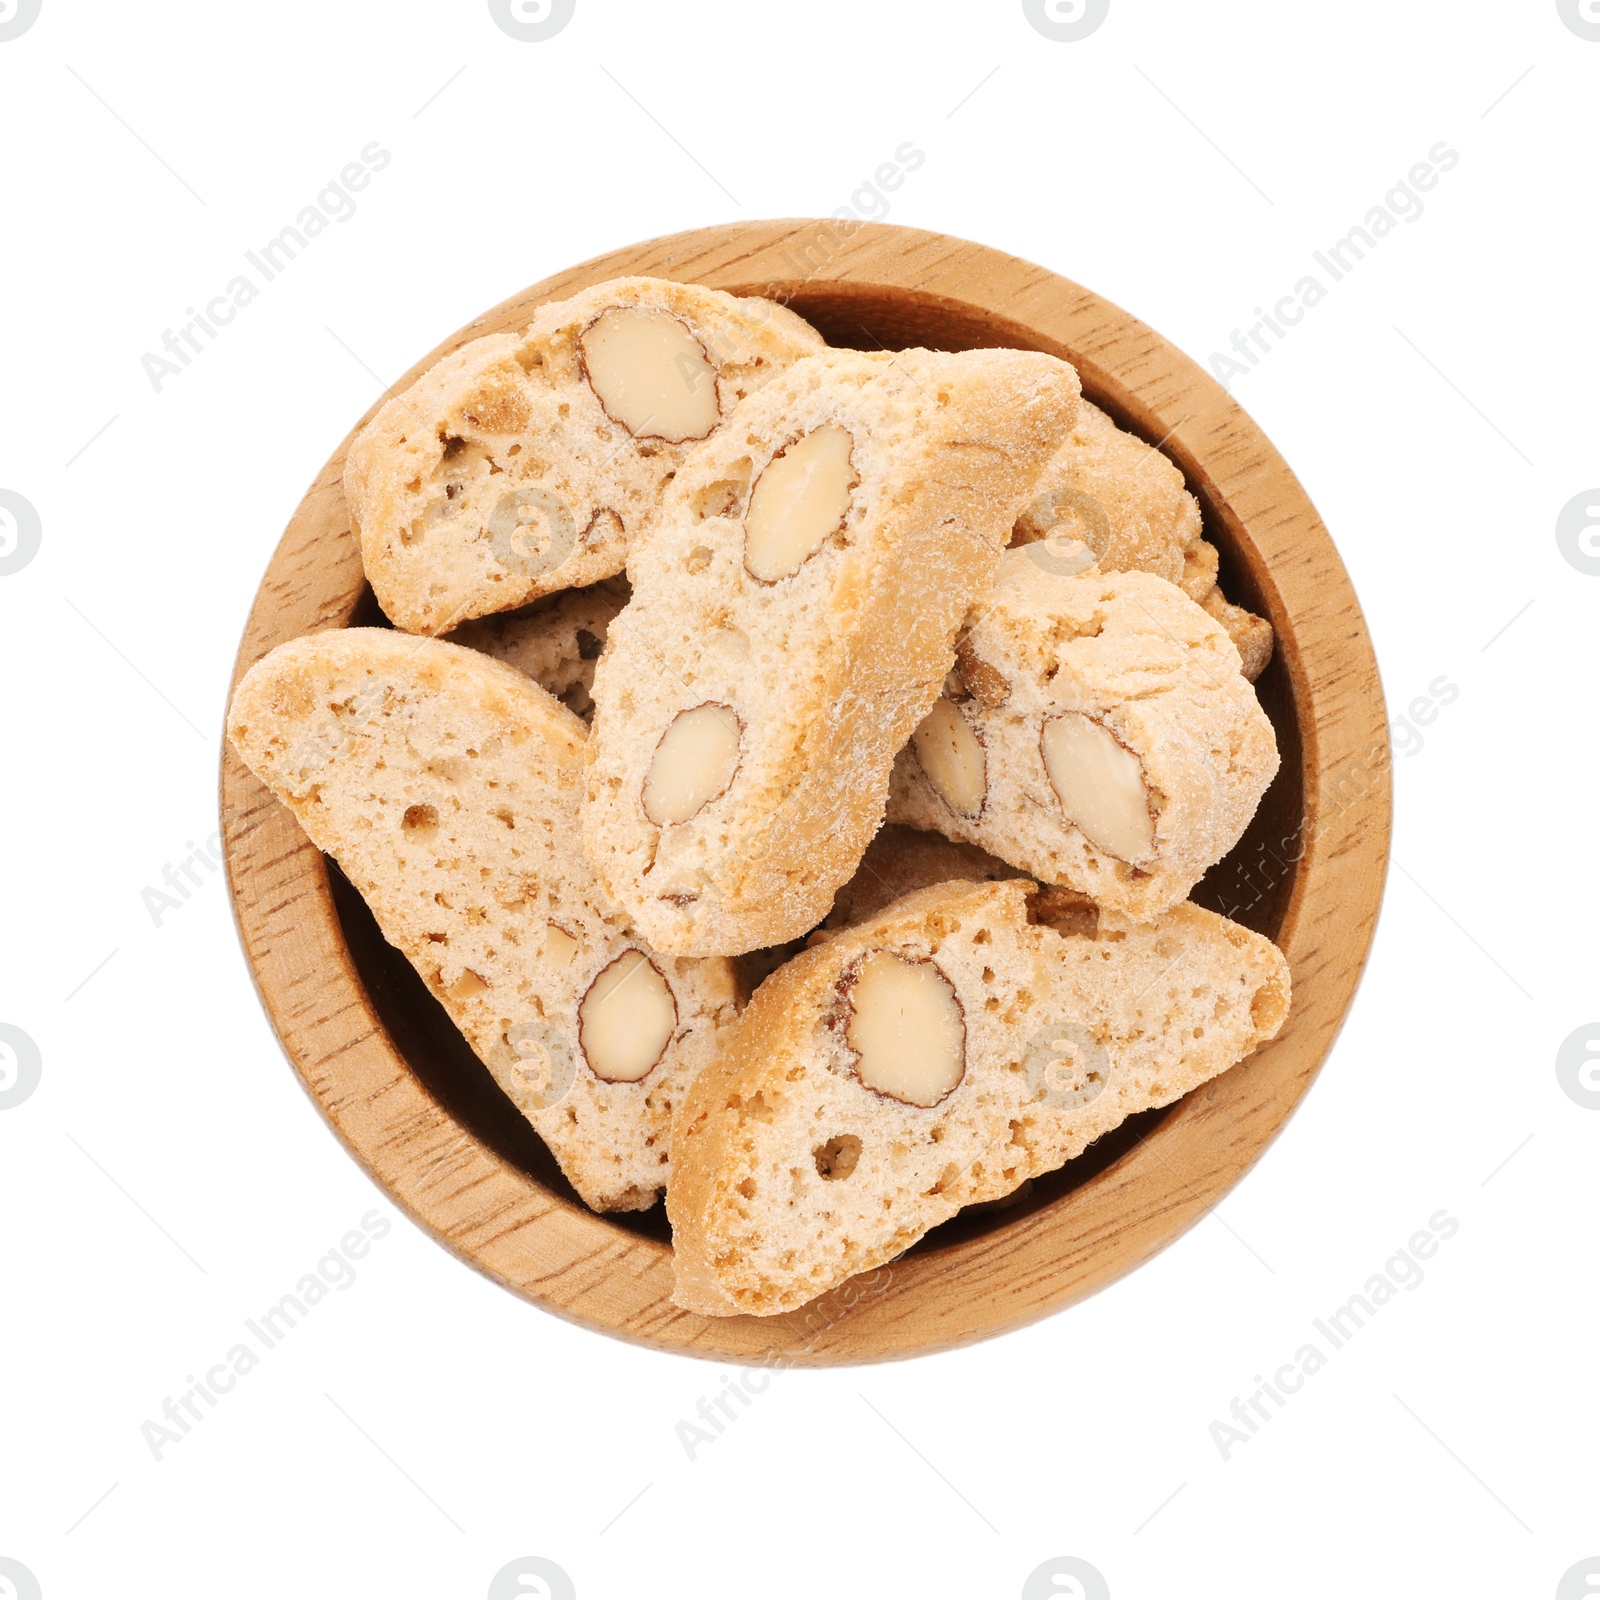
(423, 1428)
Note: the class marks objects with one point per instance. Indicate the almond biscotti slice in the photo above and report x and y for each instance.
(556, 641)
(447, 785)
(935, 1057)
(793, 616)
(1126, 504)
(528, 462)
(1097, 732)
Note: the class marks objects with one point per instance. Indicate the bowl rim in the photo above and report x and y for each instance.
(592, 1271)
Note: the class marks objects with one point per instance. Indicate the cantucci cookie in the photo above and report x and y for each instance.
(527, 462)
(447, 786)
(1126, 504)
(1097, 732)
(793, 616)
(556, 641)
(935, 1057)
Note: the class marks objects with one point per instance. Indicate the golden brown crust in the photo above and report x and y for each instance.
(1251, 635)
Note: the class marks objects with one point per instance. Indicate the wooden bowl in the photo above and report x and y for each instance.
(414, 1105)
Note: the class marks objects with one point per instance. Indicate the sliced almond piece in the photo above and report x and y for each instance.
(989, 684)
(559, 946)
(801, 497)
(650, 374)
(1100, 784)
(627, 1019)
(951, 754)
(467, 985)
(693, 764)
(907, 1029)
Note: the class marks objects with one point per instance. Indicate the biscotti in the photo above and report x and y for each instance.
(1127, 506)
(556, 641)
(935, 1057)
(447, 787)
(792, 619)
(1097, 733)
(524, 463)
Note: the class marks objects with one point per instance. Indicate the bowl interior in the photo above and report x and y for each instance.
(872, 317)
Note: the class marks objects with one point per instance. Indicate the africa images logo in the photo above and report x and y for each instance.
(21, 1066)
(17, 1581)
(531, 21)
(531, 1578)
(1578, 1066)
(1065, 21)
(1582, 17)
(1578, 533)
(20, 532)
(16, 17)
(1066, 1578)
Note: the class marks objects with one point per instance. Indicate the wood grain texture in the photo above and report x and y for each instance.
(412, 1104)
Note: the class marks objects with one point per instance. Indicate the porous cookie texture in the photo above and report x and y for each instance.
(792, 619)
(524, 463)
(1126, 504)
(556, 641)
(938, 1056)
(447, 787)
(1097, 732)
